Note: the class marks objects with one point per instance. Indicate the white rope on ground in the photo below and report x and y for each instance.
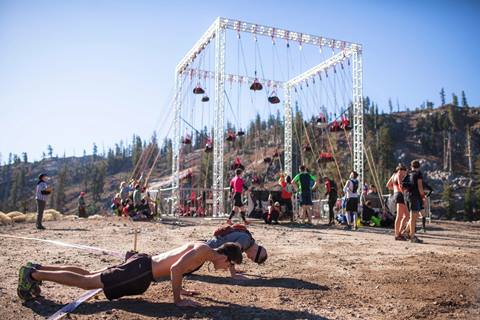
(74, 304)
(113, 253)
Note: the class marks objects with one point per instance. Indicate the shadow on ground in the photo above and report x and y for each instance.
(289, 283)
(141, 307)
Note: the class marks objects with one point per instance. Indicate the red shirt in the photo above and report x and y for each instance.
(236, 184)
(285, 194)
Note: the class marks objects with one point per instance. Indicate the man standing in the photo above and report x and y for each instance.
(351, 196)
(236, 190)
(415, 196)
(82, 206)
(305, 183)
(331, 193)
(286, 195)
(41, 193)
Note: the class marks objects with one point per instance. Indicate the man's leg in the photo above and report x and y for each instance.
(354, 220)
(68, 278)
(331, 216)
(73, 269)
(348, 218)
(309, 214)
(242, 214)
(232, 214)
(40, 208)
(412, 224)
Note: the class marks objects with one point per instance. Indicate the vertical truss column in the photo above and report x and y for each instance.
(218, 140)
(177, 104)
(358, 147)
(288, 132)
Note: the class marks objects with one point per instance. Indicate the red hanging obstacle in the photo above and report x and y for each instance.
(237, 164)
(322, 120)
(198, 89)
(240, 133)
(334, 126)
(187, 139)
(205, 98)
(230, 136)
(273, 99)
(345, 124)
(256, 85)
(208, 146)
(325, 157)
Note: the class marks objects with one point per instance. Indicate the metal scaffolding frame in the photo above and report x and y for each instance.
(217, 31)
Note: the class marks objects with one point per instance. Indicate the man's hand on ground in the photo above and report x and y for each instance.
(187, 303)
(190, 293)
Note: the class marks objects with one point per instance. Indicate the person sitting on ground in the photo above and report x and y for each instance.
(369, 216)
(273, 213)
(240, 235)
(134, 276)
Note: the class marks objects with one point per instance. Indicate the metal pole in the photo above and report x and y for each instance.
(357, 77)
(176, 142)
(218, 140)
(288, 132)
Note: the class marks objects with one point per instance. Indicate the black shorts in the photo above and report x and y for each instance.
(414, 203)
(306, 199)
(130, 278)
(399, 198)
(237, 199)
(352, 205)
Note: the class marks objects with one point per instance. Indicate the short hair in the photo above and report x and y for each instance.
(261, 259)
(355, 174)
(400, 167)
(238, 171)
(232, 251)
(415, 164)
(303, 167)
(372, 186)
(289, 179)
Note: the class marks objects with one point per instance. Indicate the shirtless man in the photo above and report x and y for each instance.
(133, 277)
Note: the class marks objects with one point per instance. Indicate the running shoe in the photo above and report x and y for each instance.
(400, 238)
(36, 290)
(416, 240)
(25, 283)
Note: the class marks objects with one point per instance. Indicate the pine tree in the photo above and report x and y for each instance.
(25, 157)
(50, 151)
(447, 197)
(464, 100)
(469, 204)
(442, 96)
(454, 100)
(390, 105)
(95, 151)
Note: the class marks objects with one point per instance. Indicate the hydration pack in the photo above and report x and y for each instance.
(407, 183)
(354, 185)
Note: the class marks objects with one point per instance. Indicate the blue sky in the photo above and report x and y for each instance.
(77, 72)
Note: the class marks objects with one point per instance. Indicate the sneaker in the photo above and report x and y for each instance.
(40, 227)
(25, 283)
(36, 290)
(400, 238)
(416, 240)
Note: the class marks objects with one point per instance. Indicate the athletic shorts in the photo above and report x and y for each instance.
(414, 203)
(237, 199)
(352, 205)
(306, 199)
(399, 198)
(133, 277)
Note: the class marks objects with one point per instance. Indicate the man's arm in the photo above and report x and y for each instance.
(187, 261)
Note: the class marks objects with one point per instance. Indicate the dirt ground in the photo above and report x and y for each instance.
(312, 272)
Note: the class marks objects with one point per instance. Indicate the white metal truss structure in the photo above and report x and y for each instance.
(217, 31)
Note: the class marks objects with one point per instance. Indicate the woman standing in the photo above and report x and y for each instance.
(395, 184)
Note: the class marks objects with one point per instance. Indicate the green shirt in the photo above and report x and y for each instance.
(304, 181)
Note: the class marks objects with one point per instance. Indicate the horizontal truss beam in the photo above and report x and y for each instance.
(301, 38)
(203, 74)
(311, 73)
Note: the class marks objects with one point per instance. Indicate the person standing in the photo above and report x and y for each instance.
(395, 184)
(331, 193)
(351, 197)
(41, 194)
(82, 213)
(236, 191)
(137, 197)
(415, 196)
(286, 195)
(305, 183)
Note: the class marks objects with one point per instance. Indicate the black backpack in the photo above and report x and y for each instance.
(407, 183)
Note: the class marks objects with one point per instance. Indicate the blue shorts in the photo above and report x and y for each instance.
(306, 199)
